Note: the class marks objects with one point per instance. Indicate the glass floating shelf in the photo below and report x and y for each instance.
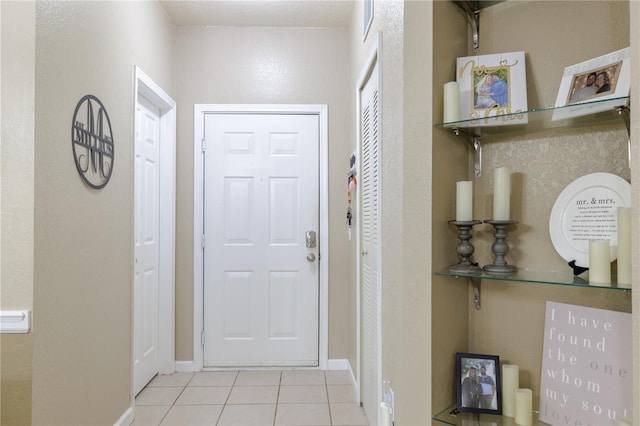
(540, 277)
(467, 419)
(596, 112)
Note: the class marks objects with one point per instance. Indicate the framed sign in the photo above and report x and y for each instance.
(478, 383)
(92, 142)
(596, 85)
(587, 366)
(493, 89)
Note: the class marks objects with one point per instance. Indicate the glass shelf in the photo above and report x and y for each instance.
(596, 112)
(540, 277)
(474, 419)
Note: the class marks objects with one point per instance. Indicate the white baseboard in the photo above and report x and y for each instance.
(338, 364)
(332, 364)
(126, 419)
(185, 367)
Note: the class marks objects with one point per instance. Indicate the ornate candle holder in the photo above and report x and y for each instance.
(465, 249)
(500, 248)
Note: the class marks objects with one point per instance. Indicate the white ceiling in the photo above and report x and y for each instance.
(272, 13)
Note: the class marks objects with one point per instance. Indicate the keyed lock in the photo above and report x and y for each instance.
(310, 238)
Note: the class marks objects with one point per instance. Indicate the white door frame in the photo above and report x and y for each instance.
(144, 86)
(198, 216)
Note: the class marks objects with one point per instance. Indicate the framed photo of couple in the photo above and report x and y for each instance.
(596, 85)
(493, 89)
(478, 383)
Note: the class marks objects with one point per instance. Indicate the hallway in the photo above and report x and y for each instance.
(288, 397)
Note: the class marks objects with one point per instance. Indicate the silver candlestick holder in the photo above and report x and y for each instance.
(500, 248)
(465, 249)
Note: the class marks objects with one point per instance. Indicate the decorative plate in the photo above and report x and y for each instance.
(586, 210)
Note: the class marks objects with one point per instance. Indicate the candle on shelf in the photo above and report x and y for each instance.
(464, 201)
(524, 415)
(624, 247)
(501, 193)
(599, 262)
(451, 110)
(510, 383)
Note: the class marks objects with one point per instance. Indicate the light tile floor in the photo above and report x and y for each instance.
(289, 397)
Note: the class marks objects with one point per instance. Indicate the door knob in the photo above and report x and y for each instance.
(311, 257)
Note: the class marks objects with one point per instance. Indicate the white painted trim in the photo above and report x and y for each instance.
(126, 418)
(185, 367)
(146, 87)
(373, 59)
(338, 364)
(323, 259)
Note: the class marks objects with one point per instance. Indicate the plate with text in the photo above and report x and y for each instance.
(587, 210)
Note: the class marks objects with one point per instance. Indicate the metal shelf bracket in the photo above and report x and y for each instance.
(475, 142)
(472, 11)
(625, 112)
(477, 285)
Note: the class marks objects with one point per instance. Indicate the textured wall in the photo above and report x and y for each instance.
(16, 178)
(511, 321)
(83, 237)
(225, 65)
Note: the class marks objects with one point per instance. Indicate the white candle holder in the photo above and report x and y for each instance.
(500, 248)
(465, 249)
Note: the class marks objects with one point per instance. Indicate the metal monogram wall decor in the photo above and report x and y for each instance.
(92, 142)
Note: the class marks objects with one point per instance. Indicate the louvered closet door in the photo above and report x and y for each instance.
(370, 380)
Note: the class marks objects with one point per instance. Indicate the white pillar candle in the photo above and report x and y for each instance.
(464, 201)
(524, 410)
(501, 193)
(624, 247)
(599, 262)
(451, 110)
(510, 382)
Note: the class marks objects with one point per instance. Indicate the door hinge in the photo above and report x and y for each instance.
(202, 337)
(203, 144)
(202, 241)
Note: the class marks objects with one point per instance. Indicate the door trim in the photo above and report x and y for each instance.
(144, 86)
(198, 216)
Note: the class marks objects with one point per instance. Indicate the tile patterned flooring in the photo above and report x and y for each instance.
(288, 397)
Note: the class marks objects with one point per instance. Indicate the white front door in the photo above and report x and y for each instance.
(261, 201)
(146, 230)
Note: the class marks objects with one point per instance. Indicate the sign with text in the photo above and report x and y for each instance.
(586, 376)
(493, 89)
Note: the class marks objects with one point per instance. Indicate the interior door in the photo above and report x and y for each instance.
(261, 215)
(146, 231)
(370, 315)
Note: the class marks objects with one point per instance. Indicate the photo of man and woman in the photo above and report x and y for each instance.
(478, 383)
(491, 88)
(594, 83)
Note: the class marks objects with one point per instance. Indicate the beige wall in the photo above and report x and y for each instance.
(405, 155)
(16, 178)
(83, 237)
(226, 65)
(511, 321)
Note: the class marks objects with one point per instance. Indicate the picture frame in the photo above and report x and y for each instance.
(593, 86)
(478, 383)
(493, 89)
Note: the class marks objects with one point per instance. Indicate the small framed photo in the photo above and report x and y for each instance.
(478, 383)
(493, 89)
(605, 79)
